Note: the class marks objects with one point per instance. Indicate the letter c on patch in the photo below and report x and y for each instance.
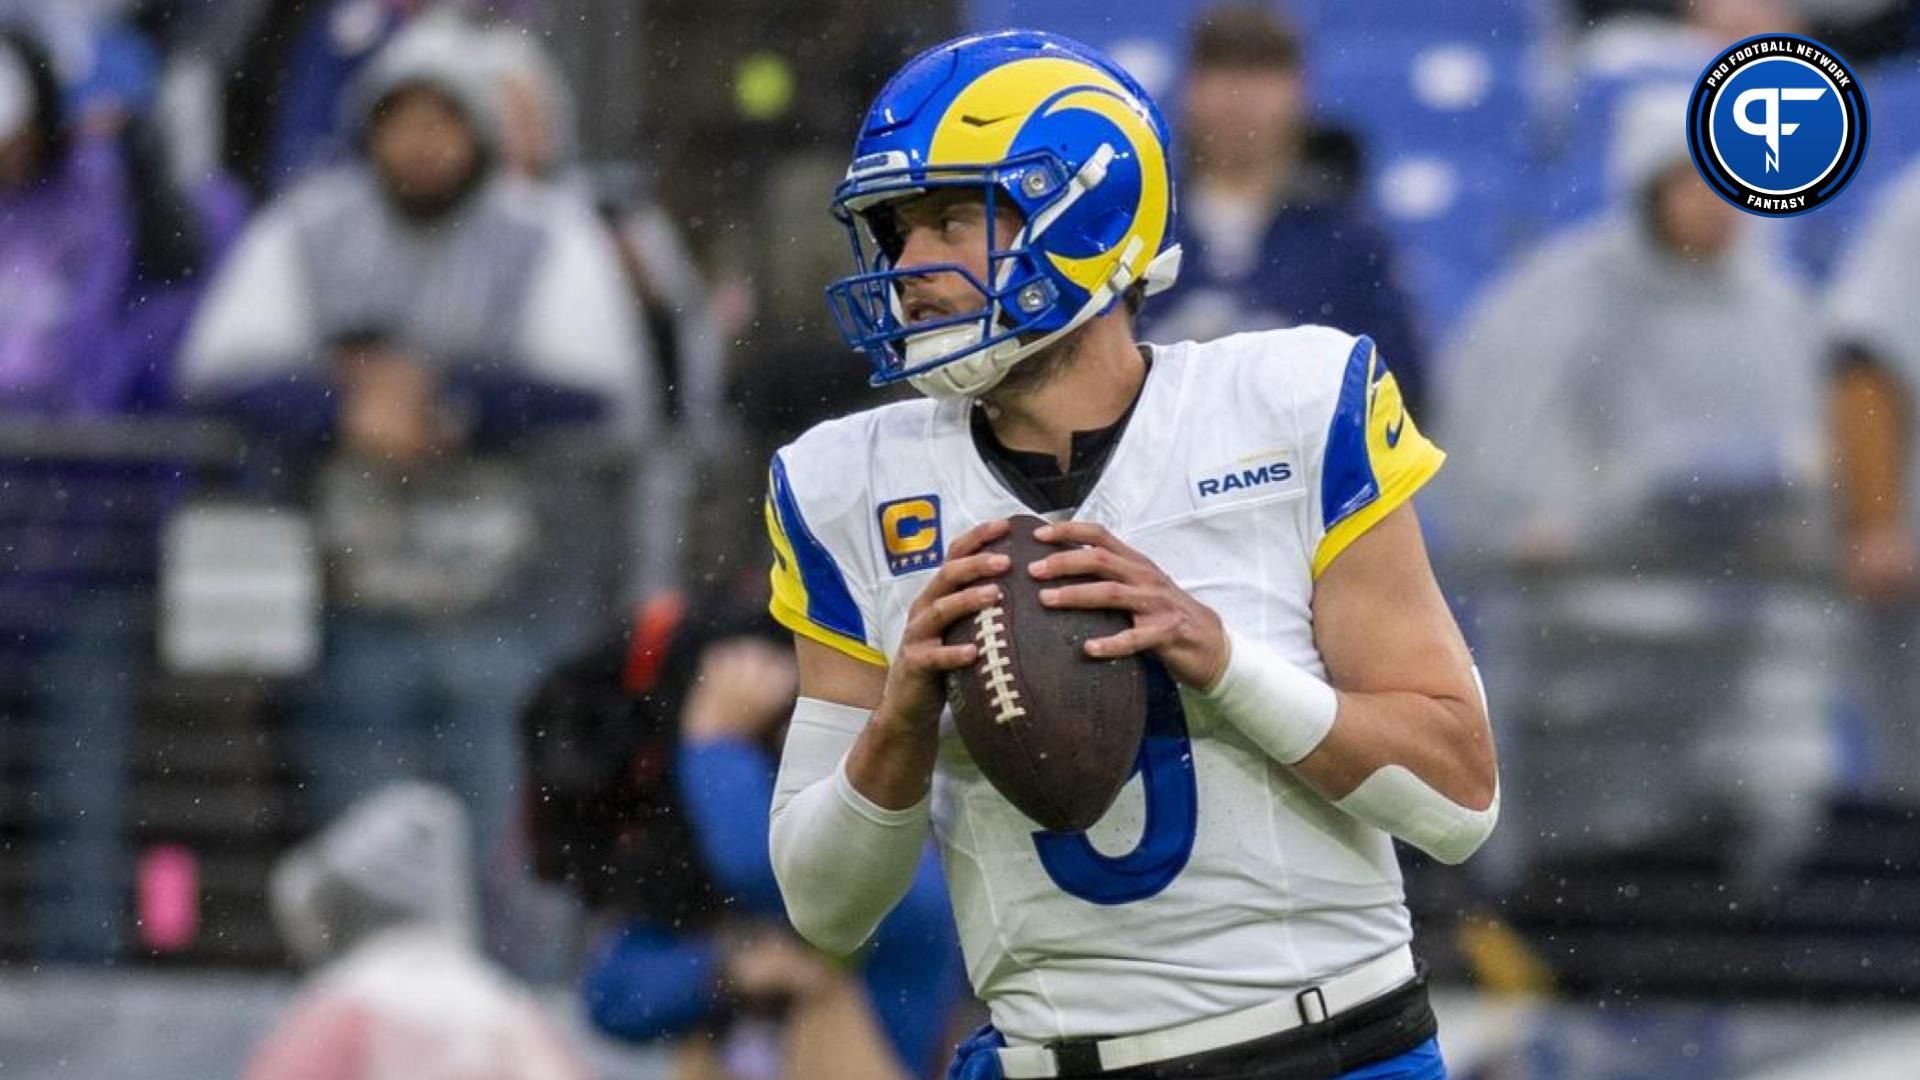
(910, 526)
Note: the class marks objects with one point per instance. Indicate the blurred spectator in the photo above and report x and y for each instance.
(655, 755)
(540, 134)
(401, 328)
(102, 62)
(669, 295)
(381, 902)
(1273, 234)
(1669, 321)
(185, 210)
(1875, 323)
(183, 228)
(67, 257)
(1634, 410)
(311, 128)
(65, 238)
(338, 39)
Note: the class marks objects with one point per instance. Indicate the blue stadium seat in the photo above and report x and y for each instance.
(1430, 94)
(1446, 122)
(1149, 40)
(1456, 222)
(1511, 21)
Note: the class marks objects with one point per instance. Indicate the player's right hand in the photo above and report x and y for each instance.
(963, 586)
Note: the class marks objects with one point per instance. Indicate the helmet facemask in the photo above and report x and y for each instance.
(964, 353)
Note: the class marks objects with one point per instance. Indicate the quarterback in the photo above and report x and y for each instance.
(1239, 911)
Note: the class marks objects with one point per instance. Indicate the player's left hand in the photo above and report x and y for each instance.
(1184, 633)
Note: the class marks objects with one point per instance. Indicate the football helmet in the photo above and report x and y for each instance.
(1040, 121)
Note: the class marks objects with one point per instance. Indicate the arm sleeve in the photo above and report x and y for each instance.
(1371, 457)
(842, 861)
(726, 787)
(812, 595)
(647, 984)
(297, 414)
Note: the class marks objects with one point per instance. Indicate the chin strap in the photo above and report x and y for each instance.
(1163, 270)
(981, 372)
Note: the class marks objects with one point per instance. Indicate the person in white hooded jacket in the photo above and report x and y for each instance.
(382, 901)
(1635, 417)
(403, 333)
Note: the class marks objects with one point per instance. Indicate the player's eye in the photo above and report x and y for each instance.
(957, 220)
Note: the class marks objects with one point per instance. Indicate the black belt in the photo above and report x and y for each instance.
(1374, 1031)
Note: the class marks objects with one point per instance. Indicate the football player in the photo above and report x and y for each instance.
(1239, 911)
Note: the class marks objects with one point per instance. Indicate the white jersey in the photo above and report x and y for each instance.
(1218, 880)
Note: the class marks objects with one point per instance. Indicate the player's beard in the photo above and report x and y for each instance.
(1036, 371)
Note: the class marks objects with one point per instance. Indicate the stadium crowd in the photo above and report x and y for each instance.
(516, 367)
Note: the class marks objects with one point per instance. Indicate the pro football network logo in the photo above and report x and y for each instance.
(1777, 125)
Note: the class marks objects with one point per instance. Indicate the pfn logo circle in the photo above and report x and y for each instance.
(1777, 125)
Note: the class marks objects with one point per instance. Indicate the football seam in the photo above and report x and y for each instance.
(1012, 676)
(996, 664)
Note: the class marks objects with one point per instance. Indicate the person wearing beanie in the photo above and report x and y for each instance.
(381, 904)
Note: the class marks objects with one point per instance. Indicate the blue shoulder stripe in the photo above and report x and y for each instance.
(1347, 483)
(829, 602)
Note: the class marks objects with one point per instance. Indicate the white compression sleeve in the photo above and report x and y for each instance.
(1395, 800)
(842, 861)
(1284, 710)
(1287, 712)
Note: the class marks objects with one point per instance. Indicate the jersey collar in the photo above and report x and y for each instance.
(1132, 471)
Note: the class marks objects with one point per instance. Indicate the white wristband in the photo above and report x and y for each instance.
(1284, 710)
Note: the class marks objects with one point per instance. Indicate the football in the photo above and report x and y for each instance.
(1054, 730)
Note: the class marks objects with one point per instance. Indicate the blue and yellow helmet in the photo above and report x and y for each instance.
(1035, 118)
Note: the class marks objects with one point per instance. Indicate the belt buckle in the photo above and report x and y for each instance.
(1319, 1000)
(1076, 1057)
